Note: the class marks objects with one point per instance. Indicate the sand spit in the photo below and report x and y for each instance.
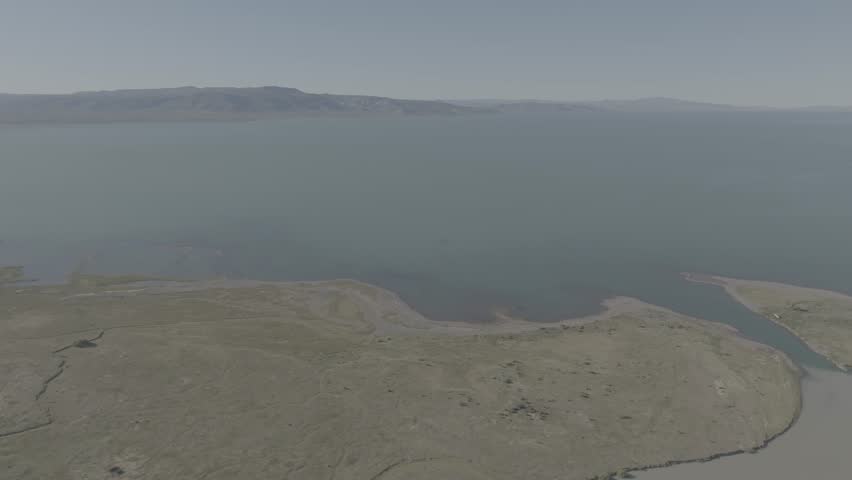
(821, 318)
(342, 380)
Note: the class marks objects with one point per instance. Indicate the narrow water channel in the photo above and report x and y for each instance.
(814, 448)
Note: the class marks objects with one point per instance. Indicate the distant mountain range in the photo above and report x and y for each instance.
(228, 103)
(192, 103)
(651, 104)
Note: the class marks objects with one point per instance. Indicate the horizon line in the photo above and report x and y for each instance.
(455, 99)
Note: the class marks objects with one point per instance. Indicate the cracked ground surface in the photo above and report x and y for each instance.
(341, 380)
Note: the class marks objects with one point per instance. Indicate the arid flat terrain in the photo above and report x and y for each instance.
(816, 448)
(821, 318)
(341, 380)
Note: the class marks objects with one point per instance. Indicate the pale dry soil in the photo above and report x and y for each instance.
(821, 318)
(341, 380)
(816, 448)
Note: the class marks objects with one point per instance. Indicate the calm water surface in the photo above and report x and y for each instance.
(544, 214)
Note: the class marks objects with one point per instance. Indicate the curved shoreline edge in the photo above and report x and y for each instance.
(729, 286)
(710, 458)
(612, 307)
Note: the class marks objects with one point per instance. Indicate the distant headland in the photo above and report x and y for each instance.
(234, 103)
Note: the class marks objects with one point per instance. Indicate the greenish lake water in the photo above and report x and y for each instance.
(543, 214)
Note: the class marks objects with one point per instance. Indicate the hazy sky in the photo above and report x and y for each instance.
(774, 52)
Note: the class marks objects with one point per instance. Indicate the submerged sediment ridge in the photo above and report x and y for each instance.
(211, 379)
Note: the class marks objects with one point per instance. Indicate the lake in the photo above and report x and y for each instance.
(543, 215)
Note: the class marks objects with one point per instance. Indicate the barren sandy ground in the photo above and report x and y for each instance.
(821, 318)
(816, 448)
(341, 380)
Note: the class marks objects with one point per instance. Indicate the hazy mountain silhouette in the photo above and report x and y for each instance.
(188, 103)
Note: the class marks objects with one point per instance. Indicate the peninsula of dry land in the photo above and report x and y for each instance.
(341, 380)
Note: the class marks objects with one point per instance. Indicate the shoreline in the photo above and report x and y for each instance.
(420, 323)
(612, 306)
(816, 444)
(728, 285)
(732, 453)
(385, 314)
